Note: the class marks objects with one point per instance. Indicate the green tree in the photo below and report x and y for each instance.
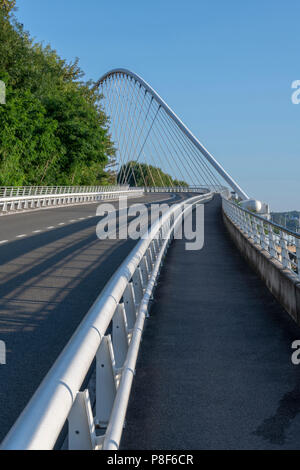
(7, 6)
(141, 174)
(180, 183)
(53, 129)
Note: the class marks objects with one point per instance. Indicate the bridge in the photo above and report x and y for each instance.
(143, 343)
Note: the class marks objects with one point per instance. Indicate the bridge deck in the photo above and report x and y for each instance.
(215, 370)
(48, 281)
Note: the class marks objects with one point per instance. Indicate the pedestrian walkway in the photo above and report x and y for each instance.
(214, 370)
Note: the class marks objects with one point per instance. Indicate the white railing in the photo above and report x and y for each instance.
(19, 191)
(185, 189)
(282, 244)
(35, 197)
(174, 189)
(122, 305)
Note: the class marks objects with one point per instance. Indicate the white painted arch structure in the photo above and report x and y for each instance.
(142, 125)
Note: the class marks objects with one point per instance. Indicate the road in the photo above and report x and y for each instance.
(52, 268)
(214, 370)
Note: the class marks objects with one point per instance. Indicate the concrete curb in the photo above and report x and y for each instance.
(283, 284)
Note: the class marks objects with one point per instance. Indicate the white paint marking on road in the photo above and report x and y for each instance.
(51, 227)
(91, 216)
(21, 236)
(37, 231)
(3, 241)
(62, 223)
(73, 220)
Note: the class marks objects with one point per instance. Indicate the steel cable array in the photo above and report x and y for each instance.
(149, 136)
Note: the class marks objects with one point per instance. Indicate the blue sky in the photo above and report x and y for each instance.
(225, 67)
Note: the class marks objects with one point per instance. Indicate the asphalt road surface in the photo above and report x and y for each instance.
(52, 268)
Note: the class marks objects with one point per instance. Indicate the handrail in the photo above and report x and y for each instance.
(280, 242)
(122, 303)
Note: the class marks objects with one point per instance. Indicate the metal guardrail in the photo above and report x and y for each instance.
(123, 304)
(281, 243)
(35, 197)
(19, 191)
(185, 189)
(174, 189)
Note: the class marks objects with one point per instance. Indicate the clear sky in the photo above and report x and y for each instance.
(225, 67)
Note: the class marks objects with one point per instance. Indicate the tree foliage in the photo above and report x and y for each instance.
(52, 129)
(7, 6)
(141, 174)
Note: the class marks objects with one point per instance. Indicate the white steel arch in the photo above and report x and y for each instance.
(122, 72)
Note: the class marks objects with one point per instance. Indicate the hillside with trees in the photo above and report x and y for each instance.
(141, 174)
(53, 130)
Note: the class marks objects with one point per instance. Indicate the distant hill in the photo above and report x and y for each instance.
(291, 219)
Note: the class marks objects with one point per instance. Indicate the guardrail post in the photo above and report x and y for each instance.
(249, 226)
(81, 434)
(105, 381)
(154, 249)
(255, 232)
(150, 261)
(273, 251)
(119, 336)
(129, 305)
(145, 271)
(285, 259)
(262, 240)
(138, 286)
(244, 223)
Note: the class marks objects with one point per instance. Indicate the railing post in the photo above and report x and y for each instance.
(285, 259)
(81, 432)
(261, 234)
(119, 336)
(129, 305)
(144, 271)
(138, 286)
(272, 247)
(150, 260)
(105, 381)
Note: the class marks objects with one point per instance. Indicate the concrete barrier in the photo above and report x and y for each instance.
(283, 284)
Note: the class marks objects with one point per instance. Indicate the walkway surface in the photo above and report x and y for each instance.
(214, 370)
